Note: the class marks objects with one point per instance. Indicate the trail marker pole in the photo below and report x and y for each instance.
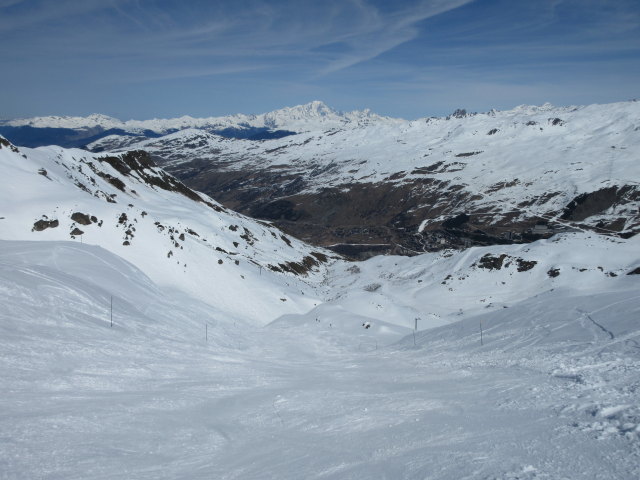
(415, 329)
(481, 342)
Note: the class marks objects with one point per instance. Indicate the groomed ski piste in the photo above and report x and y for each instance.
(525, 364)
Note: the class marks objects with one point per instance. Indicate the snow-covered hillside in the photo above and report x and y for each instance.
(549, 389)
(179, 238)
(464, 178)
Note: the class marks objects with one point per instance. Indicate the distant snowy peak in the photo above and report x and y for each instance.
(92, 121)
(312, 116)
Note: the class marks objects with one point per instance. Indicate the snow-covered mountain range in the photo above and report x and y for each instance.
(311, 116)
(424, 184)
(78, 131)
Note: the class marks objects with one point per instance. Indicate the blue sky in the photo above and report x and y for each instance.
(406, 58)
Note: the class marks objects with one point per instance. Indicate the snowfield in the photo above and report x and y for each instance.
(119, 362)
(551, 393)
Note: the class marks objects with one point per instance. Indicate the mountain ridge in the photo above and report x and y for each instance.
(426, 184)
(179, 238)
(312, 114)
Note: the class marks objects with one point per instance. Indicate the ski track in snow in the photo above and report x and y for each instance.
(313, 395)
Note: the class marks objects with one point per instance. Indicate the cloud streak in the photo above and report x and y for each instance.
(292, 30)
(288, 51)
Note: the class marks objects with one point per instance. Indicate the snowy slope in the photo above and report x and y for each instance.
(180, 239)
(312, 116)
(551, 393)
(447, 287)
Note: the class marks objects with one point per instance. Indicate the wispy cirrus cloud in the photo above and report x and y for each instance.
(290, 33)
(359, 52)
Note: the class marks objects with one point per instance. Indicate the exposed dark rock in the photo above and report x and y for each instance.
(320, 256)
(458, 113)
(493, 131)
(468, 154)
(286, 240)
(616, 225)
(76, 231)
(81, 218)
(6, 143)
(116, 182)
(588, 204)
(553, 272)
(428, 169)
(524, 265)
(635, 271)
(248, 236)
(145, 168)
(299, 268)
(41, 225)
(490, 262)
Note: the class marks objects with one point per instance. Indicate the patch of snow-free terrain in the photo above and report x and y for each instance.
(117, 362)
